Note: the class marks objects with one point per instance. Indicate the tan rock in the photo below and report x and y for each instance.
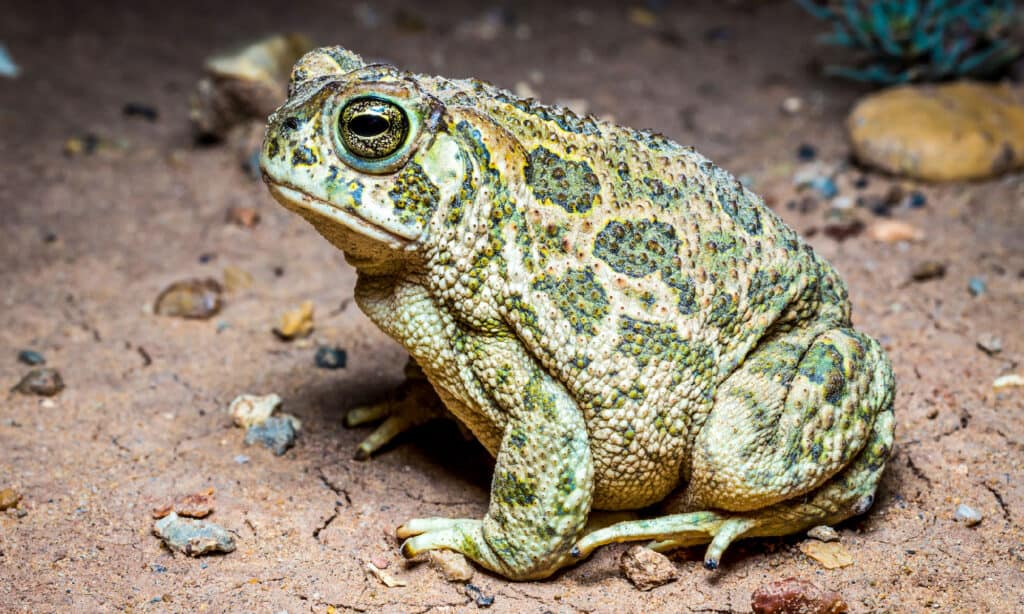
(9, 498)
(891, 231)
(245, 84)
(647, 569)
(956, 131)
(831, 555)
(296, 323)
(452, 565)
(248, 410)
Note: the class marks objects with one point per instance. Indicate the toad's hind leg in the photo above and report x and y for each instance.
(849, 493)
(798, 436)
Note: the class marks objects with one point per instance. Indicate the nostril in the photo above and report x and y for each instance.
(290, 124)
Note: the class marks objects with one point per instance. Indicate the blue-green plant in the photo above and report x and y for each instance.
(920, 40)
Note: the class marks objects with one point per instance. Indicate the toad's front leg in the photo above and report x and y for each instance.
(543, 480)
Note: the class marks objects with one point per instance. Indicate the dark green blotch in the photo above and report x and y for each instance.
(570, 184)
(643, 341)
(640, 248)
(536, 399)
(823, 365)
(637, 248)
(414, 195)
(734, 199)
(513, 490)
(579, 296)
(724, 310)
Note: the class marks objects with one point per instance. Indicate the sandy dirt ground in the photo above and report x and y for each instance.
(88, 242)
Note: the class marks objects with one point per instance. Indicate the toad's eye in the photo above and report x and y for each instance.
(372, 128)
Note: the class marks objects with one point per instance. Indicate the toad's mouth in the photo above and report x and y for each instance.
(315, 210)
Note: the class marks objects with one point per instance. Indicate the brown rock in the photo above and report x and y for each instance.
(929, 269)
(794, 596)
(190, 298)
(9, 498)
(647, 569)
(948, 132)
(841, 231)
(195, 505)
(44, 382)
(246, 217)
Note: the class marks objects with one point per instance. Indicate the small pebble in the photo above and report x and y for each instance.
(248, 410)
(385, 578)
(842, 202)
(916, 200)
(976, 286)
(9, 498)
(1008, 381)
(328, 357)
(452, 565)
(929, 269)
(823, 533)
(792, 596)
(276, 433)
(31, 357)
(296, 323)
(806, 152)
(990, 344)
(892, 231)
(139, 109)
(246, 217)
(241, 459)
(85, 144)
(44, 382)
(193, 537)
(7, 66)
(824, 186)
(841, 231)
(968, 515)
(482, 601)
(647, 569)
(190, 298)
(792, 105)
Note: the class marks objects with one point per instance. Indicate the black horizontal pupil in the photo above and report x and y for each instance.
(368, 125)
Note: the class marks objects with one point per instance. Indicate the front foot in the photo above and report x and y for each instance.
(415, 405)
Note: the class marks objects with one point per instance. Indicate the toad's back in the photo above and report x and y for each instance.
(637, 272)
